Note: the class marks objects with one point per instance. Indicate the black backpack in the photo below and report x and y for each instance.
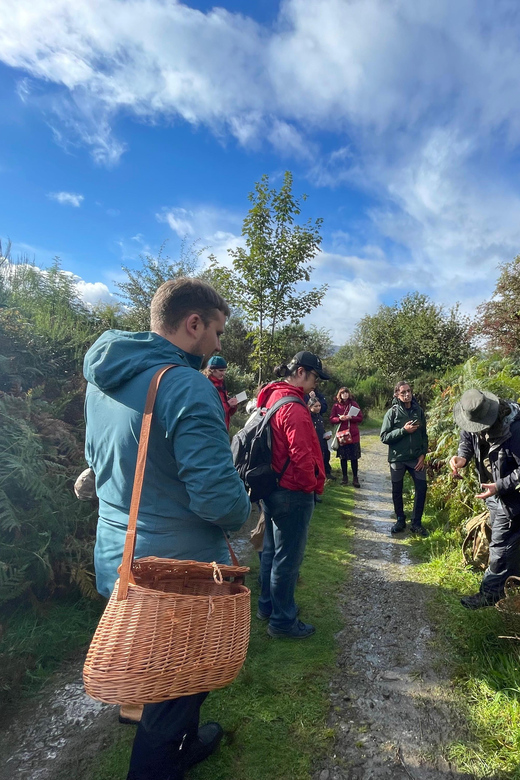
(251, 450)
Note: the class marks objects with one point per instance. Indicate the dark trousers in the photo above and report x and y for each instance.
(397, 472)
(287, 517)
(162, 730)
(353, 465)
(326, 459)
(504, 549)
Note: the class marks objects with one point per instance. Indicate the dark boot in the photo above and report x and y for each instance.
(204, 744)
(399, 526)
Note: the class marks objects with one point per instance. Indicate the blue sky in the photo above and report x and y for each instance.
(126, 123)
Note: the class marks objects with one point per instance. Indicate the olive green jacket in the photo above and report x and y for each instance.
(403, 446)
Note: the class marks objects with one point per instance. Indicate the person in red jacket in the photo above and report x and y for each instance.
(216, 371)
(296, 456)
(351, 450)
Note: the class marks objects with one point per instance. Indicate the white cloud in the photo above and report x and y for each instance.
(179, 220)
(67, 198)
(210, 227)
(93, 293)
(422, 98)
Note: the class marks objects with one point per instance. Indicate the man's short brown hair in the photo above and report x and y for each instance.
(178, 298)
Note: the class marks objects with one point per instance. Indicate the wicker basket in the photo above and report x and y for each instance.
(509, 606)
(171, 628)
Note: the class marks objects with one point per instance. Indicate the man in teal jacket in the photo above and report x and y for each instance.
(404, 430)
(192, 493)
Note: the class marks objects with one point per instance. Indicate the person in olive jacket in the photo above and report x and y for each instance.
(404, 430)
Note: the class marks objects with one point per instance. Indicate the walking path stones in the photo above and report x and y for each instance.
(391, 707)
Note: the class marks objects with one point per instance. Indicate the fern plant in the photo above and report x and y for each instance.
(500, 376)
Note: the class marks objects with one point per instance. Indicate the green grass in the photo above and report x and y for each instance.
(485, 669)
(374, 419)
(275, 713)
(36, 640)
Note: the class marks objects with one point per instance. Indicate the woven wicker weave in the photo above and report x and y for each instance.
(509, 606)
(171, 628)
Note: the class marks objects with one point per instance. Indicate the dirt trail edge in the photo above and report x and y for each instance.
(390, 705)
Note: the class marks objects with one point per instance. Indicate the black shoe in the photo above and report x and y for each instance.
(264, 616)
(318, 500)
(399, 526)
(480, 600)
(331, 478)
(204, 744)
(419, 530)
(344, 481)
(298, 631)
(355, 482)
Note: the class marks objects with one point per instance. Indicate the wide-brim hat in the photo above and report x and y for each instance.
(476, 410)
(311, 361)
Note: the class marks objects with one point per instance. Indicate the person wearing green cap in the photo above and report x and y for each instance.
(216, 371)
(490, 433)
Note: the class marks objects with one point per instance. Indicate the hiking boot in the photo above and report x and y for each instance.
(331, 478)
(318, 500)
(480, 600)
(355, 482)
(399, 526)
(344, 481)
(419, 530)
(204, 744)
(298, 631)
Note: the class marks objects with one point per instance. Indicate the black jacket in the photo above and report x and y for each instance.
(504, 462)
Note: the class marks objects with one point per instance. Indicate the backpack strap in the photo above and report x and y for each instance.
(288, 399)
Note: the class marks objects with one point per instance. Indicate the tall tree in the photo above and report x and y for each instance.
(498, 320)
(411, 337)
(138, 291)
(265, 282)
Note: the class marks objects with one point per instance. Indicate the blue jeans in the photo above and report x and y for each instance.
(287, 517)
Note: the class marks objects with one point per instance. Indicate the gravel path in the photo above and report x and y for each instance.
(390, 707)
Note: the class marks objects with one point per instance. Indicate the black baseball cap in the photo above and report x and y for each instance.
(308, 360)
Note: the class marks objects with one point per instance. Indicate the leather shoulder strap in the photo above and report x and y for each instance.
(126, 575)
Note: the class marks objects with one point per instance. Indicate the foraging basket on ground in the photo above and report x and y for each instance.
(171, 628)
(509, 606)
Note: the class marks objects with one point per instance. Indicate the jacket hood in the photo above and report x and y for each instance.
(283, 387)
(117, 356)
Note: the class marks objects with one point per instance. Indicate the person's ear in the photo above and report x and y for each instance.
(194, 325)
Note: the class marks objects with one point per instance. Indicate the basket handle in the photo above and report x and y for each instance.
(126, 575)
(511, 583)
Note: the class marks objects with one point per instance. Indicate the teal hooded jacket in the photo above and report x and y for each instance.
(191, 492)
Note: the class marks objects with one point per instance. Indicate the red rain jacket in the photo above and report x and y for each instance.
(294, 437)
(229, 411)
(338, 409)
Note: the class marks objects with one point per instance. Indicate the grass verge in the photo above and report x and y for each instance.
(36, 640)
(275, 713)
(485, 669)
